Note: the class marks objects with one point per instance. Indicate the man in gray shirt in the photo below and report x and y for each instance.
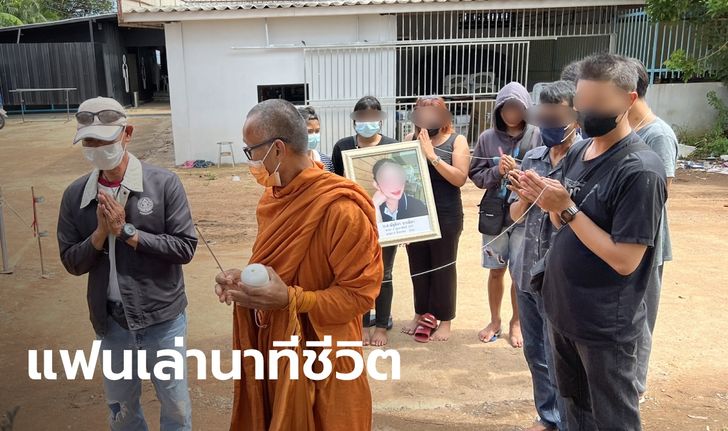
(128, 226)
(659, 136)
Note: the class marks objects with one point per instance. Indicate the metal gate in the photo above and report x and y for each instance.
(467, 74)
(652, 42)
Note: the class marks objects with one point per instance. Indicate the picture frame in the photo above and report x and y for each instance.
(397, 178)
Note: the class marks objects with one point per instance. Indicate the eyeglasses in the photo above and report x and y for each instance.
(248, 151)
(107, 116)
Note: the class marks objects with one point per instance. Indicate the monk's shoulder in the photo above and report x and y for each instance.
(344, 209)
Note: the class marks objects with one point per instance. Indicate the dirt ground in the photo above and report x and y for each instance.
(458, 385)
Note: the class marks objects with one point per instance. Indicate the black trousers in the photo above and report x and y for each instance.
(383, 304)
(598, 384)
(436, 291)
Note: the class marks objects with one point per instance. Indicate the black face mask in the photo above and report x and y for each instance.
(595, 125)
(433, 132)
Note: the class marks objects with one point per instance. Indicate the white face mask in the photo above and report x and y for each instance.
(106, 157)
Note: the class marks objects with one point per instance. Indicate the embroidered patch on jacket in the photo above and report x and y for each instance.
(145, 206)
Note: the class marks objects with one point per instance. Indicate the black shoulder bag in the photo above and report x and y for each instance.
(494, 210)
(590, 179)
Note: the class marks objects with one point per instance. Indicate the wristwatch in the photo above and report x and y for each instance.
(127, 231)
(436, 161)
(568, 214)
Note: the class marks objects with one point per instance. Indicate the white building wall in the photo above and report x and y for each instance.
(213, 86)
(686, 105)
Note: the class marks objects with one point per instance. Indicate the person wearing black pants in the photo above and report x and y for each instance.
(435, 292)
(383, 304)
(432, 263)
(608, 208)
(367, 120)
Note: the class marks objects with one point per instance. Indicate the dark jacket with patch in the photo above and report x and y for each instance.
(150, 278)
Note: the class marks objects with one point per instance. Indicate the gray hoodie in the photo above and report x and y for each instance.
(484, 173)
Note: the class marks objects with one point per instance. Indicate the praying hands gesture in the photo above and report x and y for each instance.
(426, 145)
(113, 212)
(271, 296)
(506, 164)
(549, 194)
(516, 187)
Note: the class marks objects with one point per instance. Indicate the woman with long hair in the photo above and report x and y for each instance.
(432, 263)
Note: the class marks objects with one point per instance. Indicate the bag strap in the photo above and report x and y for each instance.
(596, 173)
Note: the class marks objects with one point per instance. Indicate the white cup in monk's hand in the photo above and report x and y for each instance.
(255, 275)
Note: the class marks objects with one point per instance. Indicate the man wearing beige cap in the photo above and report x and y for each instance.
(128, 226)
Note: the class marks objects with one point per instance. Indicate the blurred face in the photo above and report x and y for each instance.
(313, 126)
(603, 98)
(602, 107)
(557, 122)
(430, 118)
(513, 113)
(391, 180)
(367, 115)
(546, 115)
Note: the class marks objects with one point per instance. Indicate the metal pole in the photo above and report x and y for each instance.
(3, 242)
(68, 109)
(38, 232)
(22, 107)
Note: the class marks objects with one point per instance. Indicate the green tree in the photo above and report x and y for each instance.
(17, 12)
(7, 20)
(77, 8)
(710, 20)
(24, 12)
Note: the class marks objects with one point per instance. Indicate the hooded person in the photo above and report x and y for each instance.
(498, 151)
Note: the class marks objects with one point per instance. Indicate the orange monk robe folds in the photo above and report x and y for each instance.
(319, 234)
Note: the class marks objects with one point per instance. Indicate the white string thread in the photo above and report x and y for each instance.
(475, 157)
(515, 222)
(518, 220)
(6, 204)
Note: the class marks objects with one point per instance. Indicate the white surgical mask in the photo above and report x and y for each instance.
(314, 139)
(367, 129)
(106, 157)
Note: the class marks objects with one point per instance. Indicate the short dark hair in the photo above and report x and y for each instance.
(280, 118)
(643, 79)
(570, 72)
(558, 92)
(609, 67)
(368, 103)
(308, 113)
(380, 163)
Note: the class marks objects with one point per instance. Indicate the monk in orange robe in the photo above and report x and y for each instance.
(317, 237)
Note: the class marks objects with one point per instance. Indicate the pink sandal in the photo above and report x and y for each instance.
(425, 326)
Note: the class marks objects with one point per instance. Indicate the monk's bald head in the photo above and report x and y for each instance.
(276, 118)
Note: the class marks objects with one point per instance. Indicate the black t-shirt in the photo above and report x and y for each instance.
(349, 143)
(584, 298)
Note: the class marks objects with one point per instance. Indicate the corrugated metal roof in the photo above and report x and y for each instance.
(59, 22)
(193, 6)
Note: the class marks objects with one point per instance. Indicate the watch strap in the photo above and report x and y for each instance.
(570, 212)
(123, 235)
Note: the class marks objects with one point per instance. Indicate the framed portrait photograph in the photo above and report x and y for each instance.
(398, 180)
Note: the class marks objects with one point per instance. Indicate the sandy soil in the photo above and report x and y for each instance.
(458, 385)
